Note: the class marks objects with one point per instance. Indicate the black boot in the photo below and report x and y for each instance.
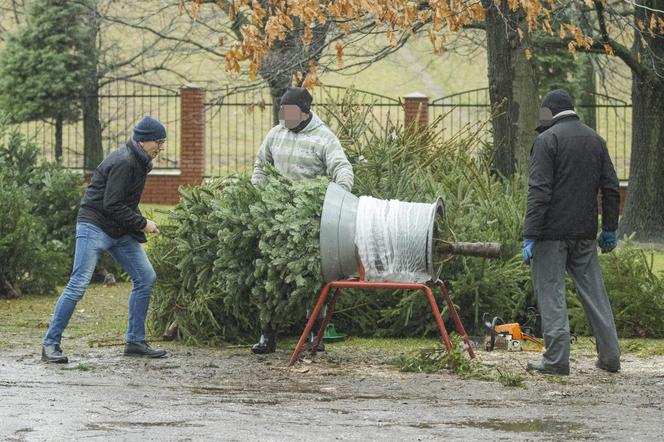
(142, 348)
(611, 368)
(53, 353)
(267, 342)
(544, 368)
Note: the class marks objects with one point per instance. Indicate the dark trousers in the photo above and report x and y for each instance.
(551, 259)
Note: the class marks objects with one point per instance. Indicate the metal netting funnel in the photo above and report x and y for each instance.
(337, 234)
(392, 239)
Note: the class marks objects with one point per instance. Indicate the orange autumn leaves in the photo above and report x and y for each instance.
(273, 20)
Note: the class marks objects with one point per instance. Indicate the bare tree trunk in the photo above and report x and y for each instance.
(526, 107)
(512, 90)
(286, 58)
(587, 111)
(93, 152)
(644, 208)
(58, 137)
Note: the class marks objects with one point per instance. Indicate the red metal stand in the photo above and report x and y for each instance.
(360, 283)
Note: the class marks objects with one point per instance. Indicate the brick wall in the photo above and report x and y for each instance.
(161, 187)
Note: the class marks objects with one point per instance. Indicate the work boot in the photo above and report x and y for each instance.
(53, 353)
(611, 368)
(543, 368)
(142, 348)
(267, 342)
(312, 336)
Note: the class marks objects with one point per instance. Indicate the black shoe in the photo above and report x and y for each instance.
(611, 368)
(310, 342)
(541, 367)
(266, 344)
(53, 353)
(142, 348)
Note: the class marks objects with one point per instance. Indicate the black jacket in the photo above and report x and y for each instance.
(569, 164)
(111, 200)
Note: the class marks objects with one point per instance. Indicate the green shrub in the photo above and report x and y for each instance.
(39, 219)
(54, 190)
(28, 262)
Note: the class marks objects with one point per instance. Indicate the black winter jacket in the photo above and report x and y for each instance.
(569, 164)
(111, 200)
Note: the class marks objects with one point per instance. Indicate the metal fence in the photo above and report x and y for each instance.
(472, 109)
(613, 121)
(237, 124)
(467, 110)
(121, 105)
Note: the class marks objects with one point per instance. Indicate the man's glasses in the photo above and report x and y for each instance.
(161, 142)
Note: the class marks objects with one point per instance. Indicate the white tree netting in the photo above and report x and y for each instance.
(393, 239)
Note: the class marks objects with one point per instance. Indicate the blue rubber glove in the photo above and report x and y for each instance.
(528, 245)
(607, 241)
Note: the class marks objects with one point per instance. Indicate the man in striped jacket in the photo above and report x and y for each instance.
(300, 147)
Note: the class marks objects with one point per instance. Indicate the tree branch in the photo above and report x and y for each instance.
(621, 51)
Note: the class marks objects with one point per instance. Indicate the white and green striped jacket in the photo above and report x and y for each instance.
(312, 152)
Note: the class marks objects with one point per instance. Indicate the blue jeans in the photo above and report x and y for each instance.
(91, 241)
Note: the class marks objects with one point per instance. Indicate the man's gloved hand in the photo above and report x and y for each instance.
(528, 245)
(607, 241)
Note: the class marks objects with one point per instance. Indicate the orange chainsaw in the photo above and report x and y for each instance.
(509, 337)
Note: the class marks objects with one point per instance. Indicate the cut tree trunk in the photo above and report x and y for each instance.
(479, 249)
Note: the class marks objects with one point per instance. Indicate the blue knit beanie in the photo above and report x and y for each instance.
(149, 129)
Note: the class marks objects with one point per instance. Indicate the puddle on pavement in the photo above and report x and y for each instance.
(114, 425)
(426, 425)
(525, 426)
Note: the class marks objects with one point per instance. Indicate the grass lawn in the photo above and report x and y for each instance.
(101, 316)
(100, 319)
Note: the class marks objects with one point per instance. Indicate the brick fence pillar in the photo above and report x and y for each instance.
(162, 186)
(416, 109)
(192, 138)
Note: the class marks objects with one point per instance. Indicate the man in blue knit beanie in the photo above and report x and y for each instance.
(109, 220)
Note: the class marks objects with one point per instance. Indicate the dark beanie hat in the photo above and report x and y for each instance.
(149, 129)
(299, 96)
(558, 100)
